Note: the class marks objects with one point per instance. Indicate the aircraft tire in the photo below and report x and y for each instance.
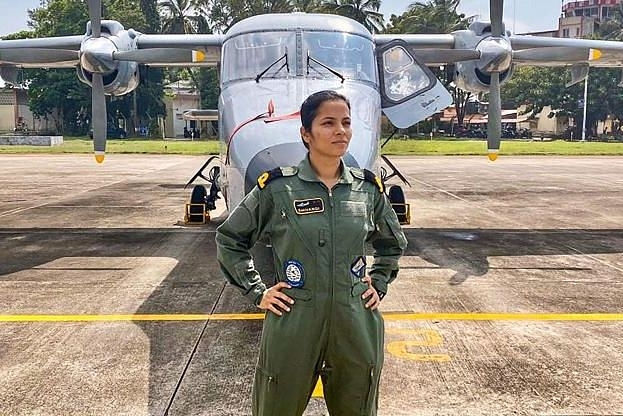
(198, 196)
(397, 196)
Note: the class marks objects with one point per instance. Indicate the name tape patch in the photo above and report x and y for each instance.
(309, 206)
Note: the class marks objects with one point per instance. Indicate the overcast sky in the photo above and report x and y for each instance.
(518, 18)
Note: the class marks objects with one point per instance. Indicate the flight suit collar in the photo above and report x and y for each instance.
(306, 172)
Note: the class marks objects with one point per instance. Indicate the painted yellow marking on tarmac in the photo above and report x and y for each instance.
(404, 348)
(318, 392)
(389, 316)
(132, 317)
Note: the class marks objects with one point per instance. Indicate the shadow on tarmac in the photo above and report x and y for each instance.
(222, 353)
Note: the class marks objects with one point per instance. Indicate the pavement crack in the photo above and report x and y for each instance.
(192, 353)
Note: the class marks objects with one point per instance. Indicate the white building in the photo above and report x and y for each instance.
(180, 96)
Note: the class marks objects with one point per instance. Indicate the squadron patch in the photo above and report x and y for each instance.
(294, 272)
(358, 268)
(309, 206)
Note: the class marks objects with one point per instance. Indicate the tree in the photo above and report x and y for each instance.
(365, 12)
(183, 16)
(436, 16)
(223, 14)
(539, 87)
(58, 94)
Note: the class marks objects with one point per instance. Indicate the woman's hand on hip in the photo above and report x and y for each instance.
(275, 300)
(371, 295)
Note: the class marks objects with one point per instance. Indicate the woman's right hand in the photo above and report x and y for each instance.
(275, 300)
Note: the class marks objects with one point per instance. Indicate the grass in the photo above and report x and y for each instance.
(394, 147)
(84, 145)
(509, 148)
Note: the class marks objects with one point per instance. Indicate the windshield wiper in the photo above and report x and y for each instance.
(328, 68)
(285, 56)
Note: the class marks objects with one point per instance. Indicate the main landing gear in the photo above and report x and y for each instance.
(197, 209)
(396, 194)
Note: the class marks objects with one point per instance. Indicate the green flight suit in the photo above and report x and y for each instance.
(320, 235)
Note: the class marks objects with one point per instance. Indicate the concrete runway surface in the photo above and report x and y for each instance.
(509, 302)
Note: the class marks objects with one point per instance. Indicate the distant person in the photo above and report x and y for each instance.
(186, 132)
(321, 315)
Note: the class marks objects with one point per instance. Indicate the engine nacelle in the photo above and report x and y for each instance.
(123, 76)
(123, 80)
(468, 77)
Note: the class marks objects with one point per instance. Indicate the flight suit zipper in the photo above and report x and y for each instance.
(333, 265)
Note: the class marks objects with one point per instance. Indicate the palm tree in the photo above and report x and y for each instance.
(183, 16)
(365, 12)
(435, 16)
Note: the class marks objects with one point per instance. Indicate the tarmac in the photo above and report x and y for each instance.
(509, 300)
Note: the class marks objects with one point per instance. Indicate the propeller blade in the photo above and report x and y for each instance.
(445, 56)
(37, 55)
(494, 125)
(496, 8)
(161, 56)
(95, 15)
(557, 54)
(98, 116)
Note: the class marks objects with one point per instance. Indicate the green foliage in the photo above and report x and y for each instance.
(365, 12)
(434, 16)
(209, 87)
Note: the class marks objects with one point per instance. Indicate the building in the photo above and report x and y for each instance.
(15, 115)
(582, 18)
(180, 97)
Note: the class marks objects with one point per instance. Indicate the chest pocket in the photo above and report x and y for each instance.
(353, 222)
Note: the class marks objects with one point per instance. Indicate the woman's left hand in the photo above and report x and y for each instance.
(371, 295)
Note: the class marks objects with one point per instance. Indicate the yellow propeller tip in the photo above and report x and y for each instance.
(99, 158)
(493, 156)
(199, 56)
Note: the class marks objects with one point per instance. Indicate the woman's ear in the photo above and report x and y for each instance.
(304, 134)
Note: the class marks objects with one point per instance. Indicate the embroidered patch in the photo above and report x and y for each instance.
(358, 268)
(309, 206)
(294, 272)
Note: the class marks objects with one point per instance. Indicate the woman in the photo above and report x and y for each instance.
(322, 318)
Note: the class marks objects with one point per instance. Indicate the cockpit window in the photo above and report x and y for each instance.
(249, 54)
(348, 54)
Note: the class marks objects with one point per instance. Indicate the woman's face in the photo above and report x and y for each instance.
(330, 131)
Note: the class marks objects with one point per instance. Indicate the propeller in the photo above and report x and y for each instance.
(160, 56)
(494, 125)
(99, 115)
(556, 54)
(37, 55)
(95, 15)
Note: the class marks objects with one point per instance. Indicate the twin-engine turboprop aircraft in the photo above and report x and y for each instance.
(270, 63)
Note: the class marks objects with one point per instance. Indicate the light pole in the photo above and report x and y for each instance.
(585, 105)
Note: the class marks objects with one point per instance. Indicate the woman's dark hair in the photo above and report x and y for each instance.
(309, 108)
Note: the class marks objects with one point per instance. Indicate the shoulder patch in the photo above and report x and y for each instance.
(368, 176)
(372, 178)
(269, 175)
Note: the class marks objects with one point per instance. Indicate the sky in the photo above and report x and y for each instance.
(518, 17)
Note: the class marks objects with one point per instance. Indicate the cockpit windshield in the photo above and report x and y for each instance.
(350, 55)
(250, 54)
